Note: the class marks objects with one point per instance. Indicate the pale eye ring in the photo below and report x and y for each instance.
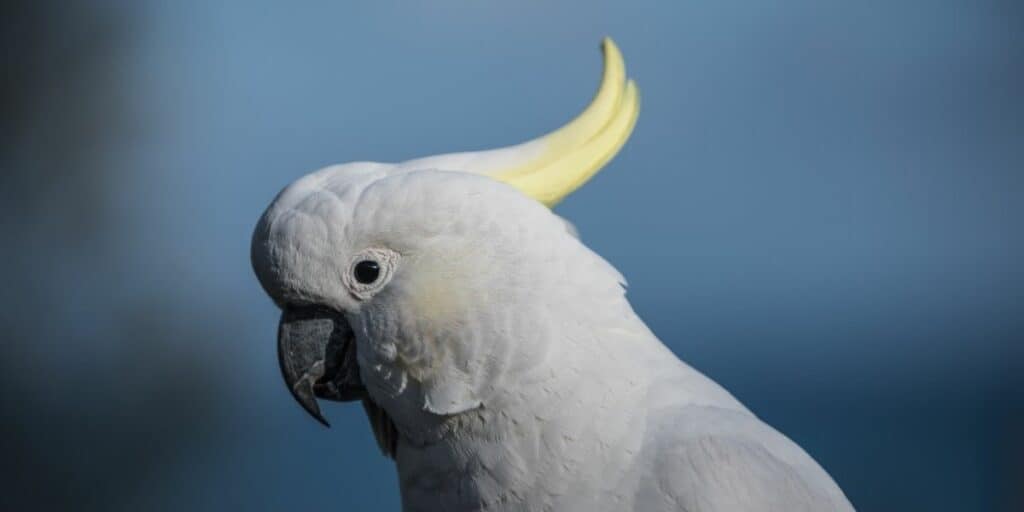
(369, 271)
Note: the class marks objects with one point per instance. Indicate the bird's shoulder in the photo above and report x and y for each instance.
(710, 459)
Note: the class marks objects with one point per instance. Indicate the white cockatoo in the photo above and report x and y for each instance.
(497, 357)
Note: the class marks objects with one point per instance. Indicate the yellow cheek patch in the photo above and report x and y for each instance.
(436, 295)
(432, 298)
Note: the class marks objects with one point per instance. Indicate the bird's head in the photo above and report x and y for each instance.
(416, 286)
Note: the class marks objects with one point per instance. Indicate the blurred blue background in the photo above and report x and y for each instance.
(820, 208)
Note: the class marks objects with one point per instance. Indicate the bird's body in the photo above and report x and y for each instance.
(501, 365)
(641, 448)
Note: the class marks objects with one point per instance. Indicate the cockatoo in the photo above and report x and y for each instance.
(497, 357)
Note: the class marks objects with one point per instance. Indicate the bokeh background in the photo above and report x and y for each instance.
(821, 208)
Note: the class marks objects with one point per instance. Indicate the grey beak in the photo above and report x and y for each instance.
(316, 351)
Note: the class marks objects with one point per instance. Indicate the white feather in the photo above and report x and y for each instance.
(516, 373)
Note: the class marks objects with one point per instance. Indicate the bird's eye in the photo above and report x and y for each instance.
(366, 271)
(369, 271)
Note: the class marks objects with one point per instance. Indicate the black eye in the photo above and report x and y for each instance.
(366, 271)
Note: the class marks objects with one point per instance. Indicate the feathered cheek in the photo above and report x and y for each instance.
(378, 353)
(380, 371)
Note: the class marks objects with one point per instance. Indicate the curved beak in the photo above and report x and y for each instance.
(317, 353)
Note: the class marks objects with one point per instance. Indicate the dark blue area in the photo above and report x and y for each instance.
(820, 208)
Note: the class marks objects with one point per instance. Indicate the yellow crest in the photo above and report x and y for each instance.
(576, 151)
(551, 167)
